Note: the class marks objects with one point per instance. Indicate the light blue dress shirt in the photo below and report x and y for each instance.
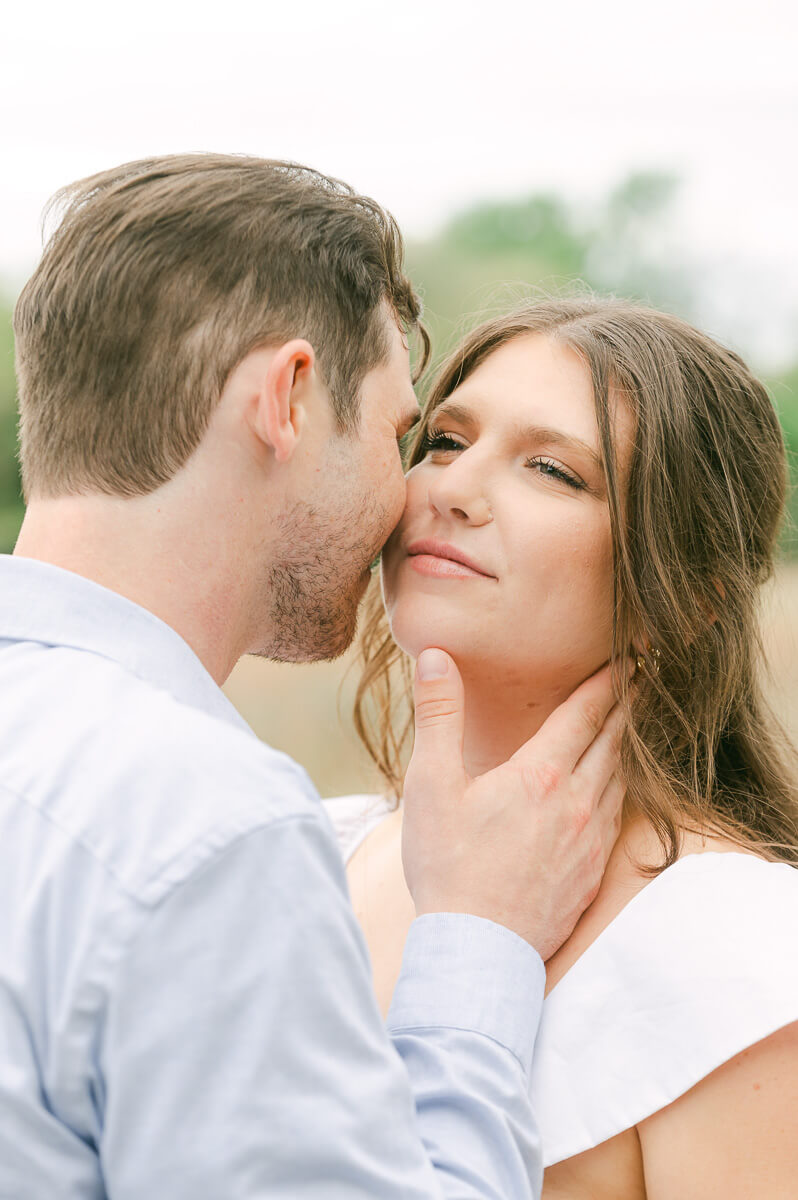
(186, 1010)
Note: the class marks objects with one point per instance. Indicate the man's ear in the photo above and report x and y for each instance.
(280, 411)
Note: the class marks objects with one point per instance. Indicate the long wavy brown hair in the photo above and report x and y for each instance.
(694, 531)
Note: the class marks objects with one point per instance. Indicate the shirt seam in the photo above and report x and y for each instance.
(433, 1028)
(227, 713)
(221, 852)
(127, 947)
(113, 949)
(214, 853)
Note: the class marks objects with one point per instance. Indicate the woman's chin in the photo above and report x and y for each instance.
(421, 616)
(414, 635)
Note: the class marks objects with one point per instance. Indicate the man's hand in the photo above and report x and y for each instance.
(526, 844)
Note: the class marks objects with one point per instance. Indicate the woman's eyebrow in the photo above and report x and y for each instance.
(523, 433)
(558, 437)
(454, 412)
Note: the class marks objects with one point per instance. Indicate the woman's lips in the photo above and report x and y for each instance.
(429, 556)
(443, 568)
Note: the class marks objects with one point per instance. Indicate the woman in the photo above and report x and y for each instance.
(592, 478)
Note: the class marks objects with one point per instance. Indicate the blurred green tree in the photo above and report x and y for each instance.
(493, 253)
(10, 497)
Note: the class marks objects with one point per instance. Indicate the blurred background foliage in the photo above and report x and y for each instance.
(10, 500)
(485, 258)
(491, 254)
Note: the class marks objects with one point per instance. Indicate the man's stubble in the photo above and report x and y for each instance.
(318, 577)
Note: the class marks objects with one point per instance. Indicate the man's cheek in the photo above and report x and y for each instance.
(398, 495)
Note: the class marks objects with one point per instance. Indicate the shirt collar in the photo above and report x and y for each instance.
(43, 603)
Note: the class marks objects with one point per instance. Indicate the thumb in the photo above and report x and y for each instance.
(439, 717)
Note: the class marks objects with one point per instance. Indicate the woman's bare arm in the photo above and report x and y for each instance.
(735, 1134)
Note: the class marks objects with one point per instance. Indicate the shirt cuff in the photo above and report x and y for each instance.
(465, 972)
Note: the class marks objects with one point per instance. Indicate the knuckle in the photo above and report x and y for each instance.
(580, 817)
(434, 711)
(544, 779)
(619, 727)
(593, 716)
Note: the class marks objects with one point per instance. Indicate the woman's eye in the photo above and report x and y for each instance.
(433, 440)
(553, 470)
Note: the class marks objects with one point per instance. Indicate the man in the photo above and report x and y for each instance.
(214, 377)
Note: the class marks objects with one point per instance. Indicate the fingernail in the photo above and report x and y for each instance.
(432, 664)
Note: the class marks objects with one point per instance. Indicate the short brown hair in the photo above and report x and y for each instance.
(161, 276)
(694, 534)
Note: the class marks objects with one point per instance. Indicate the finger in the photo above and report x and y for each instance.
(601, 759)
(610, 814)
(566, 734)
(437, 759)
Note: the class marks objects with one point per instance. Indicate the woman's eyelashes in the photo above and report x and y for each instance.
(554, 470)
(435, 440)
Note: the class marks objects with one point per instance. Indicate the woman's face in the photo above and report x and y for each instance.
(512, 483)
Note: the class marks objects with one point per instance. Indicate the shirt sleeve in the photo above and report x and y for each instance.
(243, 1054)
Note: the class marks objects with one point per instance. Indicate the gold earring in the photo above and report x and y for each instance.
(652, 662)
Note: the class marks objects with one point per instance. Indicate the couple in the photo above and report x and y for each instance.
(213, 377)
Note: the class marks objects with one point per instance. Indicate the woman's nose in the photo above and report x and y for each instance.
(456, 493)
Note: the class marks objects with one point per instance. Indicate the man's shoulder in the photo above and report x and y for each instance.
(201, 783)
(150, 786)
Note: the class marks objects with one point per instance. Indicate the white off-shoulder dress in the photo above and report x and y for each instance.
(701, 964)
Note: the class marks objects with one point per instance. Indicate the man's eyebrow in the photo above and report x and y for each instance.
(409, 421)
(523, 433)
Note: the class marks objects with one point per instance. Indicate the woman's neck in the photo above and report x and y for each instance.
(502, 712)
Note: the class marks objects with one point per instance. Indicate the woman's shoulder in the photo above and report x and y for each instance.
(699, 965)
(354, 816)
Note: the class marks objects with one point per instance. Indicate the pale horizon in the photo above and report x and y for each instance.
(433, 108)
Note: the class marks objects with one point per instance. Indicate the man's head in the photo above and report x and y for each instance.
(160, 278)
(340, 497)
(164, 283)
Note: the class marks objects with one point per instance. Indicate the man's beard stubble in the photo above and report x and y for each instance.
(318, 581)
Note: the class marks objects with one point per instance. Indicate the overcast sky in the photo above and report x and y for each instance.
(430, 106)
